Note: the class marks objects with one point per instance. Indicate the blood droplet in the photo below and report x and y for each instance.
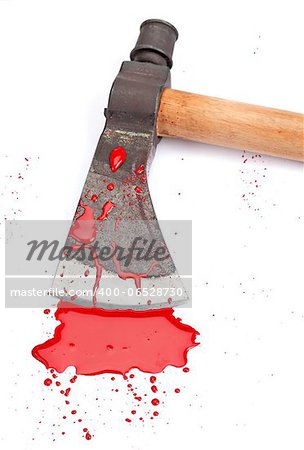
(47, 311)
(117, 158)
(48, 382)
(155, 401)
(140, 169)
(106, 209)
(94, 198)
(110, 187)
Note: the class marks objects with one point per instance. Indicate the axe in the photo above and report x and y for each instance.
(115, 230)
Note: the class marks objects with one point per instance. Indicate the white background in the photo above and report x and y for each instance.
(245, 387)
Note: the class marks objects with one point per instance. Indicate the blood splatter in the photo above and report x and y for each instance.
(84, 228)
(106, 209)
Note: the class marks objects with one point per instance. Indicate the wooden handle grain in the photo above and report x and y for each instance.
(231, 124)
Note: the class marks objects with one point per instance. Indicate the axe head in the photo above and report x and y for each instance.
(115, 255)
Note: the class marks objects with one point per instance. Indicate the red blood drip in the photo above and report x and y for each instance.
(85, 430)
(140, 169)
(133, 411)
(84, 228)
(138, 189)
(152, 379)
(155, 413)
(110, 187)
(136, 276)
(177, 390)
(48, 382)
(73, 379)
(73, 411)
(186, 369)
(155, 402)
(165, 341)
(94, 198)
(58, 383)
(47, 311)
(88, 436)
(117, 158)
(106, 209)
(128, 420)
(154, 389)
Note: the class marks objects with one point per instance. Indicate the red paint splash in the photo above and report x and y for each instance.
(116, 341)
(117, 158)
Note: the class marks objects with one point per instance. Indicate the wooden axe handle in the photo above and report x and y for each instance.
(231, 124)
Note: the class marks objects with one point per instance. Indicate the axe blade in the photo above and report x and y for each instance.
(115, 209)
